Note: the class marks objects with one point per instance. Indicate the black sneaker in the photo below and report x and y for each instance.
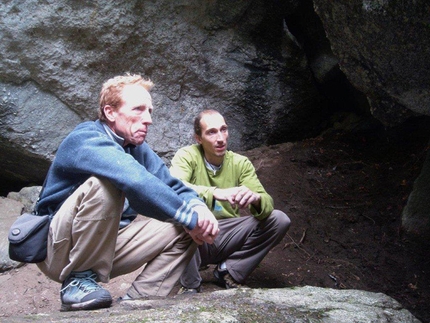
(184, 290)
(225, 280)
(81, 292)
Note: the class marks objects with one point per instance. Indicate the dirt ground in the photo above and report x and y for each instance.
(344, 194)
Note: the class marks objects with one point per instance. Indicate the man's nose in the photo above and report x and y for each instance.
(220, 136)
(147, 118)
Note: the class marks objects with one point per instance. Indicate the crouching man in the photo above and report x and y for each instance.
(103, 176)
(227, 182)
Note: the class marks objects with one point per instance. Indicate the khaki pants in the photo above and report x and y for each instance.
(84, 234)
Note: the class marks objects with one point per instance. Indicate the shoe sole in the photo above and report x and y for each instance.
(89, 305)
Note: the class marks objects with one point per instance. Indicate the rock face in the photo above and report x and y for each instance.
(33, 123)
(416, 216)
(383, 48)
(10, 209)
(237, 58)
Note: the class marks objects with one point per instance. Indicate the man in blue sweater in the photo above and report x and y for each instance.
(116, 207)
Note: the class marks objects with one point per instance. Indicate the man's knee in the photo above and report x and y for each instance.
(280, 221)
(102, 186)
(101, 191)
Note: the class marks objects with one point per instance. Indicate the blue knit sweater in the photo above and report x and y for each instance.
(89, 150)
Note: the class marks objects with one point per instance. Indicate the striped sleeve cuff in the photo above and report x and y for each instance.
(186, 216)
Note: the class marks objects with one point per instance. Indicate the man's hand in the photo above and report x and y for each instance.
(238, 196)
(206, 229)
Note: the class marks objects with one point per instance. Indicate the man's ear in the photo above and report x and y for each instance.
(110, 112)
(198, 138)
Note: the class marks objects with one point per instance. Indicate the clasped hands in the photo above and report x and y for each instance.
(239, 196)
(206, 229)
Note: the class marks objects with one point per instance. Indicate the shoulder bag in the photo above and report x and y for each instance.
(28, 238)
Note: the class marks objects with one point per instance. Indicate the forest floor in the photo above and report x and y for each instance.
(344, 194)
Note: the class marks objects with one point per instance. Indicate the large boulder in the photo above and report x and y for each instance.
(10, 210)
(237, 57)
(32, 126)
(416, 214)
(383, 48)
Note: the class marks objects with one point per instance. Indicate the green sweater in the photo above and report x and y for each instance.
(188, 165)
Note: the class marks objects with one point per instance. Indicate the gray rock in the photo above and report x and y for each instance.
(27, 196)
(383, 47)
(10, 210)
(32, 126)
(233, 57)
(300, 304)
(416, 216)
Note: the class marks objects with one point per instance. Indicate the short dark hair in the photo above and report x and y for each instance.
(197, 124)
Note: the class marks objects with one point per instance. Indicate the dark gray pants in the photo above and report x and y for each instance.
(242, 243)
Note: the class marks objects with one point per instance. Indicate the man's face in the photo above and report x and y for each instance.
(214, 137)
(131, 120)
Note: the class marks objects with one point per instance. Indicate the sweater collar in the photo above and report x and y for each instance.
(211, 167)
(113, 135)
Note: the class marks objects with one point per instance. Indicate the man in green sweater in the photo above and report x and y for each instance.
(227, 182)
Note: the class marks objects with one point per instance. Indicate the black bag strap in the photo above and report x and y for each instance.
(40, 194)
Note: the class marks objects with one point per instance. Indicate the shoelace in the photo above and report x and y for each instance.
(86, 284)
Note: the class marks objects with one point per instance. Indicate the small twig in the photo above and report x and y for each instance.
(303, 236)
(368, 217)
(297, 244)
(290, 243)
(259, 166)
